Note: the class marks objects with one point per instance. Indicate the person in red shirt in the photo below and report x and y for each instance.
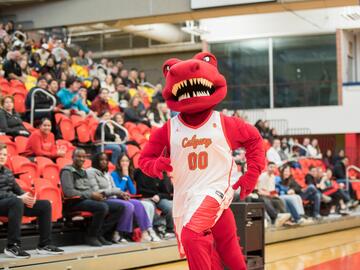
(101, 102)
(42, 142)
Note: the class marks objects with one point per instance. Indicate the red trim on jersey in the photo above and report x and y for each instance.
(197, 126)
(224, 130)
(168, 125)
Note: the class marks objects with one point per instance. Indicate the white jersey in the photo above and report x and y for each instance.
(203, 166)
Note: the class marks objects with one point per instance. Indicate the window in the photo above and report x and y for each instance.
(305, 71)
(245, 65)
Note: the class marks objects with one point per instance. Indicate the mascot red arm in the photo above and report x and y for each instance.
(196, 147)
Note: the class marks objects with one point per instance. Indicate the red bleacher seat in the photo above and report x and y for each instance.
(46, 190)
(62, 162)
(66, 127)
(29, 127)
(21, 143)
(48, 169)
(5, 138)
(11, 149)
(28, 170)
(19, 101)
(68, 145)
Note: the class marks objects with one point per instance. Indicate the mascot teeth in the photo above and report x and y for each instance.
(194, 87)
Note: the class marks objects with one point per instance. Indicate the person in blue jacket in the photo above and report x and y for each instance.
(122, 177)
(70, 99)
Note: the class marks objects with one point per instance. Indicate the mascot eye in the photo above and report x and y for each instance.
(167, 67)
(206, 58)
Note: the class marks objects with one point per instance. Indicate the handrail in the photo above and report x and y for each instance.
(103, 142)
(351, 167)
(32, 110)
(148, 84)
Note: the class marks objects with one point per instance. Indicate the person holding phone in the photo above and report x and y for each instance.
(16, 203)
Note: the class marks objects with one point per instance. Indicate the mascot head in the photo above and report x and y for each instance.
(193, 85)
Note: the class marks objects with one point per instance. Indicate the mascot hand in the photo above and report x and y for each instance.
(162, 164)
(246, 187)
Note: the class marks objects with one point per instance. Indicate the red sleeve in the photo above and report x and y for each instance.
(242, 134)
(153, 149)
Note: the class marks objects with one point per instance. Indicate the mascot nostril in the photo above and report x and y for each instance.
(195, 67)
(199, 142)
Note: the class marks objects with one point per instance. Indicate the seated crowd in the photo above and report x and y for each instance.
(78, 101)
(300, 184)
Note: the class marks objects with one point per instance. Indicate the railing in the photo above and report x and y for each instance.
(351, 167)
(103, 142)
(297, 131)
(33, 110)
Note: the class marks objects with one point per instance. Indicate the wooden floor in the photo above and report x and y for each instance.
(303, 253)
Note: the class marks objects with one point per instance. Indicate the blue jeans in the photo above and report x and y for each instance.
(312, 194)
(350, 192)
(117, 150)
(291, 207)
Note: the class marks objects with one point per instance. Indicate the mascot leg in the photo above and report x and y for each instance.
(197, 238)
(200, 250)
(227, 243)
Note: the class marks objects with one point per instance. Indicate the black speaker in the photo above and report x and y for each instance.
(250, 225)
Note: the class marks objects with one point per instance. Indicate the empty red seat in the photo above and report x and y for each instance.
(21, 143)
(5, 138)
(29, 127)
(27, 170)
(46, 190)
(66, 127)
(19, 101)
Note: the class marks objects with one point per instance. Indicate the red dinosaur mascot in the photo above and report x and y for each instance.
(196, 148)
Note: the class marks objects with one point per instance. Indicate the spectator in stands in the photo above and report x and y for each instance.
(142, 77)
(35, 62)
(101, 102)
(119, 119)
(340, 175)
(76, 183)
(16, 203)
(158, 114)
(311, 192)
(261, 128)
(285, 185)
(133, 209)
(328, 159)
(59, 51)
(124, 74)
(81, 60)
(274, 206)
(70, 98)
(10, 121)
(43, 52)
(158, 93)
(111, 135)
(136, 112)
(314, 149)
(340, 155)
(94, 89)
(42, 142)
(50, 67)
(304, 151)
(122, 92)
(109, 84)
(273, 153)
(123, 177)
(133, 79)
(159, 192)
(340, 199)
(12, 68)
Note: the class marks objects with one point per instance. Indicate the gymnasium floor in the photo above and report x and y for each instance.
(333, 251)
